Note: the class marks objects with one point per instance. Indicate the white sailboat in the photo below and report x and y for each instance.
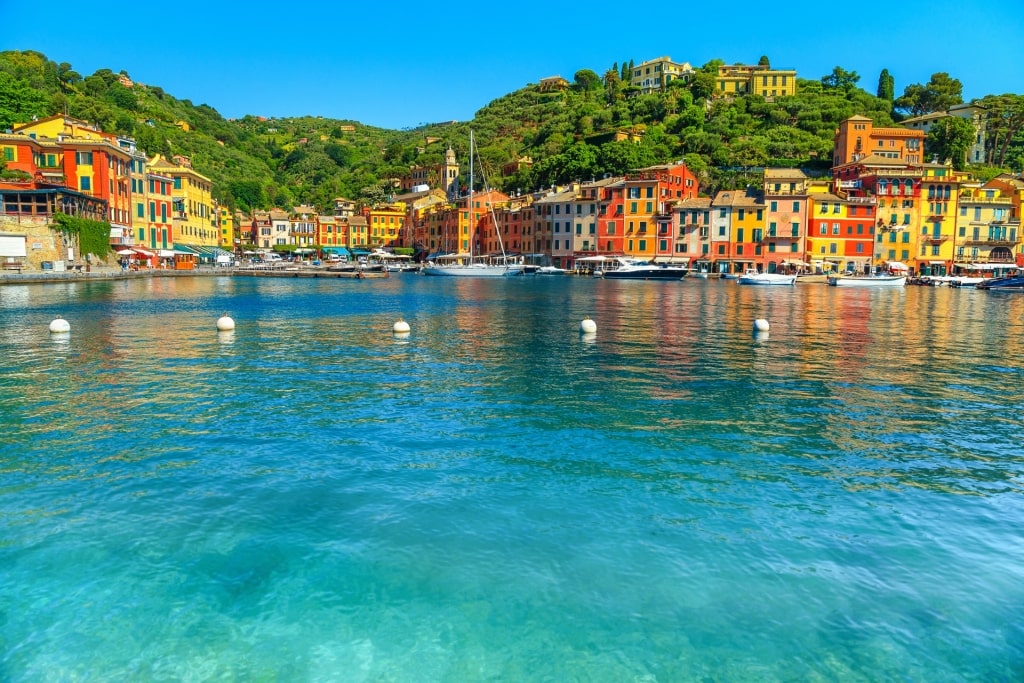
(470, 264)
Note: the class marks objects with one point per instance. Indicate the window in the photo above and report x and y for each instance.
(721, 231)
(8, 154)
(739, 235)
(774, 205)
(740, 214)
(83, 158)
(141, 211)
(643, 245)
(795, 230)
(632, 207)
(85, 183)
(796, 207)
(177, 183)
(721, 212)
(835, 228)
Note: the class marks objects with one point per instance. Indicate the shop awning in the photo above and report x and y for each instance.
(184, 249)
(794, 262)
(144, 252)
(896, 265)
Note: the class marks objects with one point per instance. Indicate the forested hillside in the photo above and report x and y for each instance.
(568, 135)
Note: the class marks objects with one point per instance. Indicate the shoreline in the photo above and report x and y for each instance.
(107, 273)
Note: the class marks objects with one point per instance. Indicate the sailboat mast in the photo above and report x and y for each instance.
(472, 232)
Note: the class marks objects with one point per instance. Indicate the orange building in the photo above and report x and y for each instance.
(857, 137)
(73, 153)
(650, 195)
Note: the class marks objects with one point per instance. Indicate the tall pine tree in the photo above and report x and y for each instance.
(886, 86)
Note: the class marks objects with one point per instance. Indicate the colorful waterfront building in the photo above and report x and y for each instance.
(153, 223)
(92, 162)
(229, 240)
(693, 239)
(742, 211)
(650, 196)
(262, 230)
(840, 232)
(786, 204)
(611, 219)
(386, 223)
(302, 228)
(940, 193)
(553, 225)
(899, 213)
(192, 218)
(357, 231)
(988, 228)
(1012, 186)
(280, 228)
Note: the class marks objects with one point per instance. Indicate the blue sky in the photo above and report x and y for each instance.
(400, 64)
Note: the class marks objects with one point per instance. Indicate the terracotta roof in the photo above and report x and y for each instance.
(695, 203)
(784, 173)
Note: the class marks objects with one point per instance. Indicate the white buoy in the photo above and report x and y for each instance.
(400, 327)
(59, 325)
(761, 325)
(225, 323)
(588, 326)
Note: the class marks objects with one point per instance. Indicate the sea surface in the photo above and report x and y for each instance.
(498, 498)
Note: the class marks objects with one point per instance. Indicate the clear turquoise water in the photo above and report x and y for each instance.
(497, 498)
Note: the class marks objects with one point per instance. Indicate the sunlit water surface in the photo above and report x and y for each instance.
(499, 498)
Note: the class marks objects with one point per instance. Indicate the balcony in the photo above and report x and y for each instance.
(989, 242)
(934, 239)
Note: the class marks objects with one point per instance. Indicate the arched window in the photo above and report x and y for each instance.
(908, 187)
(946, 193)
(883, 186)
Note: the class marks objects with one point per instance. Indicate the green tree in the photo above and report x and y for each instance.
(1004, 121)
(950, 138)
(939, 94)
(612, 84)
(702, 84)
(247, 193)
(19, 101)
(586, 80)
(763, 61)
(886, 86)
(840, 78)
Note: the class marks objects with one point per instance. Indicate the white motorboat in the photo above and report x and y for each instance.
(551, 270)
(629, 268)
(868, 281)
(752, 277)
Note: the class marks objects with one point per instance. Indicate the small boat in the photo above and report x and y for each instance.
(628, 268)
(730, 276)
(701, 273)
(551, 270)
(868, 281)
(806, 278)
(1010, 283)
(752, 277)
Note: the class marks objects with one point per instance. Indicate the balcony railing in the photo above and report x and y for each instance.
(985, 241)
(934, 239)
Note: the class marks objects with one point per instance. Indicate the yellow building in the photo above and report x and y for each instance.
(228, 230)
(940, 193)
(988, 229)
(755, 79)
(385, 224)
(657, 73)
(194, 222)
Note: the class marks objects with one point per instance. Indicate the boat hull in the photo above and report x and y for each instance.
(872, 282)
(1013, 283)
(767, 279)
(645, 274)
(471, 271)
